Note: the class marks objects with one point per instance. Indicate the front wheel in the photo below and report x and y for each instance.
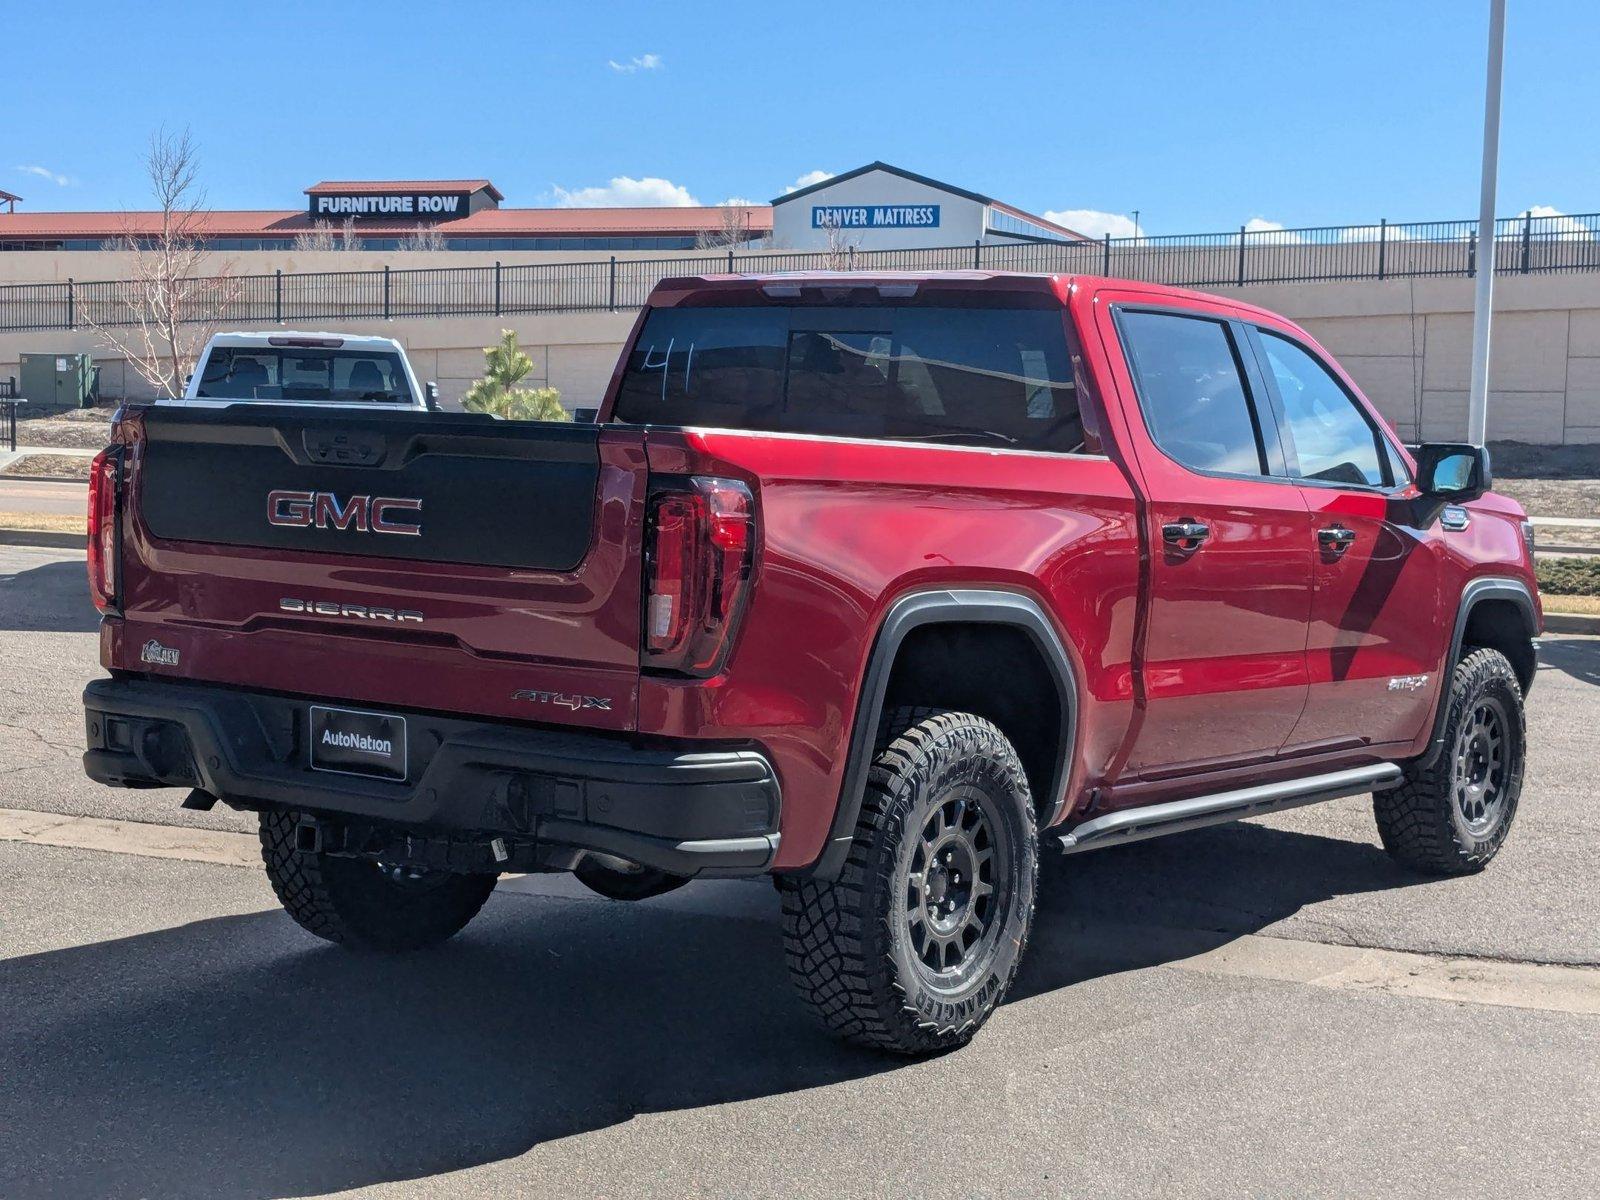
(1451, 816)
(365, 905)
(917, 943)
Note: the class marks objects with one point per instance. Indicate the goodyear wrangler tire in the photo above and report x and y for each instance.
(917, 943)
(363, 905)
(1451, 816)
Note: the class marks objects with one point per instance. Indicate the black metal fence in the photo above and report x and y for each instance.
(1523, 245)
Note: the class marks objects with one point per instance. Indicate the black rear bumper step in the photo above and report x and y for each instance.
(1175, 816)
(681, 808)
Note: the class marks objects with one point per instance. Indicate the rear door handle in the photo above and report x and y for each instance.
(1185, 532)
(1335, 537)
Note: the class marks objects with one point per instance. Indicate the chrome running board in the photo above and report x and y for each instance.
(1175, 816)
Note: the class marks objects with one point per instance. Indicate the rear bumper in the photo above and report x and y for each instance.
(679, 808)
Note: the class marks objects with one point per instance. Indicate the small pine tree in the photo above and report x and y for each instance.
(497, 392)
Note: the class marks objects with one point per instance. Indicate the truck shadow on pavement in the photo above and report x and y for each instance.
(235, 1056)
(1579, 659)
(52, 597)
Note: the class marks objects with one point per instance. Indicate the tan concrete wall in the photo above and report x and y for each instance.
(572, 352)
(1407, 344)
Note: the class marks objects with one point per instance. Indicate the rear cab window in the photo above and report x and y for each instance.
(979, 376)
(1191, 385)
(303, 374)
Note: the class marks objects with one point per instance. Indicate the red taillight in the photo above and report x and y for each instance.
(102, 522)
(698, 557)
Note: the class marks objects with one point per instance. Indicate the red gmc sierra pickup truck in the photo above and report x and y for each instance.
(875, 584)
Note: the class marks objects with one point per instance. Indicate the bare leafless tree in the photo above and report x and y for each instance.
(169, 307)
(319, 237)
(731, 232)
(424, 238)
(838, 249)
(322, 237)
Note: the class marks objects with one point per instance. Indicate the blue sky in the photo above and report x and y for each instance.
(1202, 115)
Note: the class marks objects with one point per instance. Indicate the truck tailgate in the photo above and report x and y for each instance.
(416, 560)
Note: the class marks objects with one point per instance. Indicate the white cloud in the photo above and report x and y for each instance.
(1371, 233)
(1091, 222)
(54, 177)
(736, 202)
(806, 180)
(1556, 222)
(1260, 225)
(639, 62)
(626, 192)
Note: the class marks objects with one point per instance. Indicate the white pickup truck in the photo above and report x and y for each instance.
(287, 367)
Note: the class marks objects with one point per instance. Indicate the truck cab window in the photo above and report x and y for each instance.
(302, 374)
(967, 376)
(1192, 392)
(1333, 439)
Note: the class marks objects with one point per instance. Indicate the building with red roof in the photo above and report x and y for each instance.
(465, 213)
(877, 206)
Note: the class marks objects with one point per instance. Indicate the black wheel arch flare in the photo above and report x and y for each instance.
(1477, 591)
(946, 605)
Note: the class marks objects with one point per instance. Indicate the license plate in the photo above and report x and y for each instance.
(358, 743)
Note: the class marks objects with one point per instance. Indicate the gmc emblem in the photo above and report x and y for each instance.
(364, 514)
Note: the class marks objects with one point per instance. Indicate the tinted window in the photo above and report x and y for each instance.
(1332, 437)
(1192, 392)
(1399, 473)
(303, 374)
(980, 376)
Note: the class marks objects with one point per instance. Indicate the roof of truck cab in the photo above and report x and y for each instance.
(265, 338)
(980, 280)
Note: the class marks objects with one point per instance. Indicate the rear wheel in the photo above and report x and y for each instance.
(365, 905)
(916, 944)
(1451, 816)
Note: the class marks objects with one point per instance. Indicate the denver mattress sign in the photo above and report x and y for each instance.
(874, 216)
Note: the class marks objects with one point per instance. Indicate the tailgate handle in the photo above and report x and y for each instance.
(345, 447)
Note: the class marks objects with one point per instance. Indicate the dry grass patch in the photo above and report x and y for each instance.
(53, 466)
(1572, 604)
(45, 522)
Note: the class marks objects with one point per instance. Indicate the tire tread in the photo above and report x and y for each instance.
(1414, 819)
(846, 982)
(327, 897)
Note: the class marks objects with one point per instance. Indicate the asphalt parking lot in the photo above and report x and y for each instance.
(1271, 1008)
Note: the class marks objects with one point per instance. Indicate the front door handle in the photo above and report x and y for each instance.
(1335, 538)
(1185, 532)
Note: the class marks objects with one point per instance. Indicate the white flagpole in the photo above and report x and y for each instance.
(1483, 298)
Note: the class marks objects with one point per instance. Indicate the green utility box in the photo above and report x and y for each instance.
(57, 380)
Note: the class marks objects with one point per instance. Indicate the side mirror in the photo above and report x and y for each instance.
(585, 416)
(1453, 471)
(431, 396)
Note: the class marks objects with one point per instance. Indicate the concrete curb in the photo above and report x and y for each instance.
(12, 477)
(42, 537)
(1560, 622)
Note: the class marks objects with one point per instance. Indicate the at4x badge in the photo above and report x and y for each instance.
(572, 700)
